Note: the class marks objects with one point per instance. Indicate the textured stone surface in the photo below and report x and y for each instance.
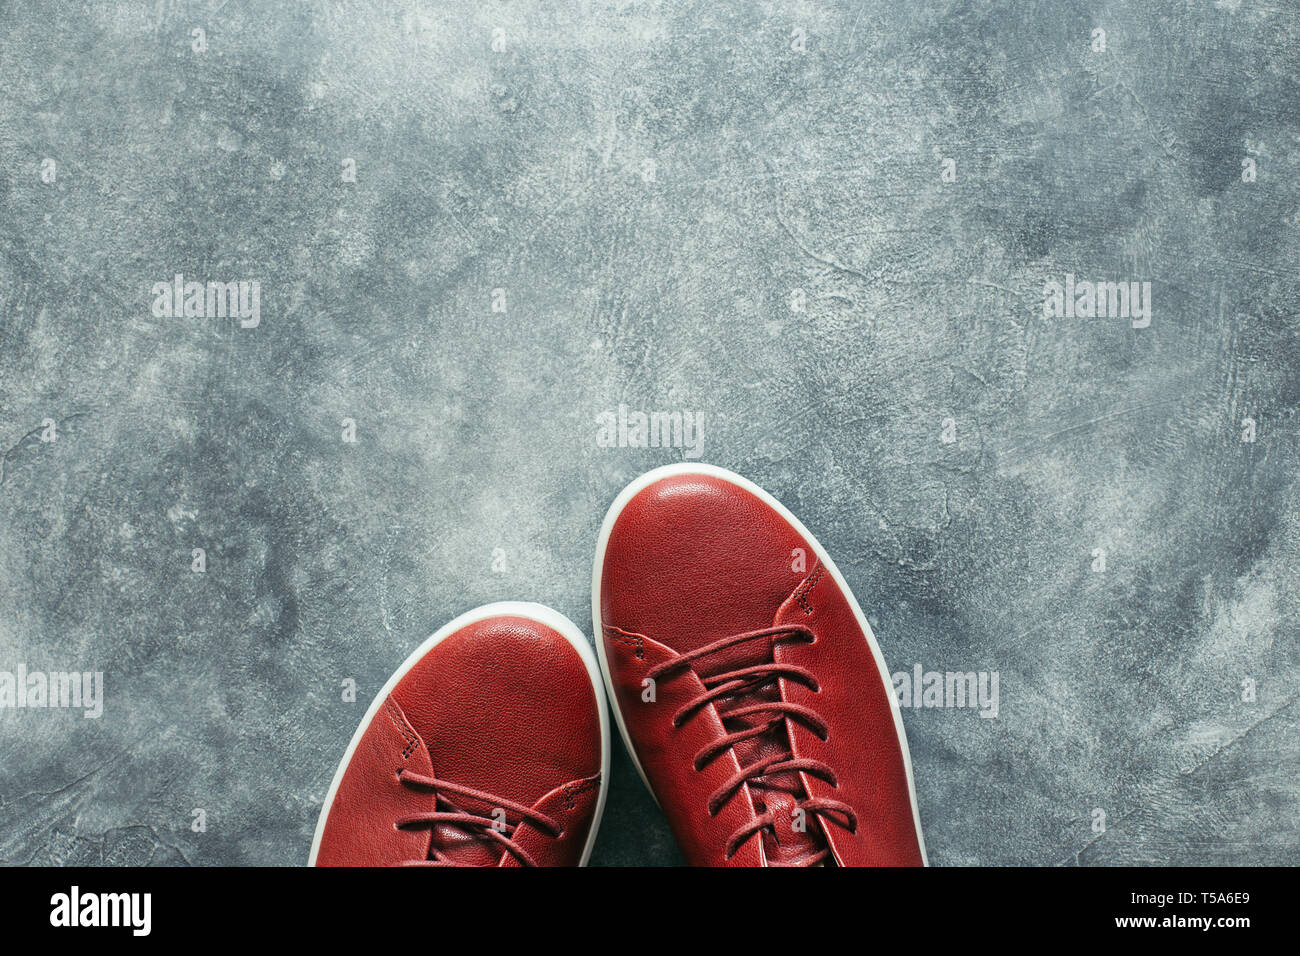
(774, 170)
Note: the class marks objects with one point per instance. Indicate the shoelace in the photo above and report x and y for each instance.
(473, 822)
(745, 680)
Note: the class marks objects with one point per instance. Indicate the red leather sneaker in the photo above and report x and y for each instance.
(488, 747)
(747, 684)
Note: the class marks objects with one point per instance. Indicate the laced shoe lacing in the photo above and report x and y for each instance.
(753, 720)
(480, 824)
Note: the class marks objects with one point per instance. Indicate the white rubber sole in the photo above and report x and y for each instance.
(689, 468)
(527, 609)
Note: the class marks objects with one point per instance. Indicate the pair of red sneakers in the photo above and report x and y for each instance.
(745, 680)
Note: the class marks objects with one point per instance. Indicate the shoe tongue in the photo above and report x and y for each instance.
(793, 836)
(466, 847)
(797, 835)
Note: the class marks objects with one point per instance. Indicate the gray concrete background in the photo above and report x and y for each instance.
(774, 170)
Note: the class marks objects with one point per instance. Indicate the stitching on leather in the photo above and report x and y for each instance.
(571, 790)
(408, 734)
(636, 641)
(802, 591)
